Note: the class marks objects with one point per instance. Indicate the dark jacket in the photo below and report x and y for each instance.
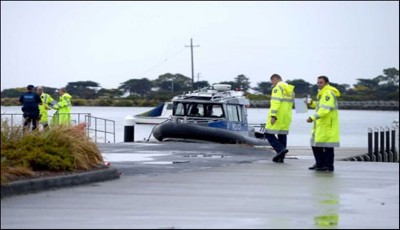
(30, 104)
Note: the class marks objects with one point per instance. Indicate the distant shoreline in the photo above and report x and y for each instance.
(345, 105)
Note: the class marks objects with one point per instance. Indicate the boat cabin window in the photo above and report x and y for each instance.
(198, 110)
(179, 109)
(234, 112)
(169, 106)
(214, 110)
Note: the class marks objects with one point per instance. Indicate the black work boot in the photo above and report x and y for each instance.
(324, 169)
(280, 156)
(313, 167)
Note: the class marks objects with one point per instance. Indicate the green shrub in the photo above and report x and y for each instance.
(60, 148)
(103, 102)
(123, 103)
(9, 101)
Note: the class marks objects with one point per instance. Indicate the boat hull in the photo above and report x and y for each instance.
(183, 131)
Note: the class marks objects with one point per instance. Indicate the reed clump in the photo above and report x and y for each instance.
(56, 149)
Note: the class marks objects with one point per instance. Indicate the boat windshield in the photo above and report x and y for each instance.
(198, 109)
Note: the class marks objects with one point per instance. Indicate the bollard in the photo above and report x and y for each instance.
(382, 139)
(389, 154)
(393, 148)
(371, 154)
(129, 129)
(378, 156)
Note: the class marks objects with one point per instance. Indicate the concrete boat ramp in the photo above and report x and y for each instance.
(204, 185)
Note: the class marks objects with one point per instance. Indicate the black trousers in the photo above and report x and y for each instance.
(28, 121)
(31, 117)
(324, 156)
(278, 143)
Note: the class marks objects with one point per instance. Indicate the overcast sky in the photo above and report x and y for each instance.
(53, 43)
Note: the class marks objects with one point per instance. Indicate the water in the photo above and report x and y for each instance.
(354, 124)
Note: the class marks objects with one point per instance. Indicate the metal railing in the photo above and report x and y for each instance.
(96, 128)
(97, 123)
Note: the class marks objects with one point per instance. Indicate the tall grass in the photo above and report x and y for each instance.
(59, 149)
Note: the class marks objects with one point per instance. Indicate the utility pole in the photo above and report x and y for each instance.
(191, 52)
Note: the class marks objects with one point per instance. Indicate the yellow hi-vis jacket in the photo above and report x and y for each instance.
(282, 98)
(47, 100)
(325, 129)
(63, 114)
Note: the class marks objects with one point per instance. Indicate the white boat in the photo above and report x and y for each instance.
(213, 114)
(156, 115)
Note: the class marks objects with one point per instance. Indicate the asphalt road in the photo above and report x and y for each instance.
(186, 185)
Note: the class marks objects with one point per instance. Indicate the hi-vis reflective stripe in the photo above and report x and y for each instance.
(274, 111)
(322, 144)
(282, 99)
(281, 88)
(327, 107)
(326, 144)
(272, 131)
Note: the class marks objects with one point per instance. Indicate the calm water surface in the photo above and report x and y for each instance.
(354, 124)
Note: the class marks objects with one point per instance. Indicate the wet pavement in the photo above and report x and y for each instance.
(187, 185)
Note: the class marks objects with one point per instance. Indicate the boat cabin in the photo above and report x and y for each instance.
(214, 108)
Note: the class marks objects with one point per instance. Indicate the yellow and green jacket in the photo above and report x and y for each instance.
(47, 100)
(325, 130)
(282, 98)
(63, 114)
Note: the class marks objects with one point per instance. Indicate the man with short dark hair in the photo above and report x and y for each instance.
(30, 107)
(279, 117)
(325, 129)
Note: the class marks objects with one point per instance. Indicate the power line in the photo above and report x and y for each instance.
(165, 60)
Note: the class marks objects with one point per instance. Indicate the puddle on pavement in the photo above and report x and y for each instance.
(158, 162)
(300, 157)
(165, 162)
(205, 155)
(147, 157)
(117, 157)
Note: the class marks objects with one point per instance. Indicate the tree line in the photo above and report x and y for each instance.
(382, 87)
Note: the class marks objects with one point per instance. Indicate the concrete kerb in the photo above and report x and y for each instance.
(40, 184)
